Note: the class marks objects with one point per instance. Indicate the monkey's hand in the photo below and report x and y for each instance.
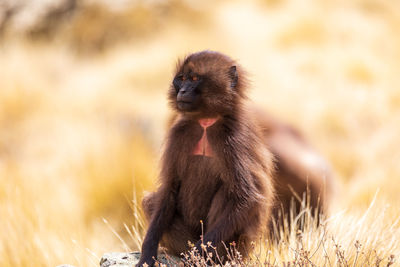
(145, 261)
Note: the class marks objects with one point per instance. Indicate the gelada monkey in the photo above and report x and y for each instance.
(217, 166)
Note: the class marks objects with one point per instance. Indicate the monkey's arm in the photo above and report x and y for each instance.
(159, 221)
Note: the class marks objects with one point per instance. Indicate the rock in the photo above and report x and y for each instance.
(123, 259)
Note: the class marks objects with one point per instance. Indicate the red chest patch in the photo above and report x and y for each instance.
(203, 146)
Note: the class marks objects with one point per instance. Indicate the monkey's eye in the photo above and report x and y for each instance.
(195, 78)
(180, 77)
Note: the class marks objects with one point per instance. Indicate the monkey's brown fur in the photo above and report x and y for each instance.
(231, 192)
(301, 174)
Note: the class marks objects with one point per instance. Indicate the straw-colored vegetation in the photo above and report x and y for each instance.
(83, 112)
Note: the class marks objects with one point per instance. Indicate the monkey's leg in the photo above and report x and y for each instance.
(148, 204)
(176, 237)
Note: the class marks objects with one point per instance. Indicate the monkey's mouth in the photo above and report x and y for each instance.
(185, 105)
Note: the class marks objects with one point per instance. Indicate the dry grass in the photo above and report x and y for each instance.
(339, 240)
(80, 134)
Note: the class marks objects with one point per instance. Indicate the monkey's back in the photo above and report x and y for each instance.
(300, 169)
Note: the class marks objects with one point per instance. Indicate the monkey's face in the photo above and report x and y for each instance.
(206, 84)
(188, 91)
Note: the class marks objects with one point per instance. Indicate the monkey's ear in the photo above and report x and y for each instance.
(234, 76)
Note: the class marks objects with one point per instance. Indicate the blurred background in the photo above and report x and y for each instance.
(83, 106)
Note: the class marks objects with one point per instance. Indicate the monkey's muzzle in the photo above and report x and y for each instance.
(185, 106)
(186, 101)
